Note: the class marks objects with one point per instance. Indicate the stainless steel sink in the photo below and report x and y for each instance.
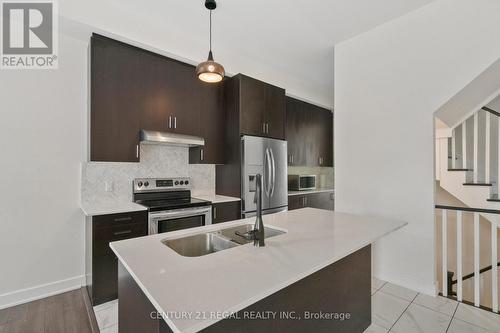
(199, 245)
(232, 233)
(202, 244)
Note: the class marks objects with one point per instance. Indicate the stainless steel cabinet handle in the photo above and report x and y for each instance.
(267, 128)
(292, 158)
(263, 127)
(215, 213)
(124, 232)
(169, 121)
(121, 219)
(137, 151)
(201, 154)
(175, 122)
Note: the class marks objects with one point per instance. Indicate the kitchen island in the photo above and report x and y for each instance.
(314, 277)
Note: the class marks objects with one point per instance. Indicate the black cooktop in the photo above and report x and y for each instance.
(158, 201)
(159, 205)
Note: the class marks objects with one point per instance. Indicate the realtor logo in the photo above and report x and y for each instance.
(29, 35)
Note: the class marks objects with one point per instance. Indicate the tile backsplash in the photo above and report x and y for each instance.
(324, 176)
(156, 161)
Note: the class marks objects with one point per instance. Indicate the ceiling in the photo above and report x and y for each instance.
(288, 43)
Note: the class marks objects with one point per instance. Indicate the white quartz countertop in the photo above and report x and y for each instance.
(232, 279)
(318, 190)
(215, 198)
(104, 208)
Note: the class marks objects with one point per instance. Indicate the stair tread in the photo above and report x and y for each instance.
(478, 184)
(494, 198)
(458, 169)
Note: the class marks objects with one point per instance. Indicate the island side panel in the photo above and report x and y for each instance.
(134, 308)
(343, 287)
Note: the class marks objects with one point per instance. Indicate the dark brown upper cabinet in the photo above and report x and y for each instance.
(134, 89)
(262, 108)
(115, 102)
(309, 131)
(212, 127)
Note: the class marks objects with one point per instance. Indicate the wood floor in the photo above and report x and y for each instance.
(63, 313)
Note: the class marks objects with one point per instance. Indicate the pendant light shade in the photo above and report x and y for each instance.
(210, 71)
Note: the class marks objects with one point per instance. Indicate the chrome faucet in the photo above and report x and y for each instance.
(257, 233)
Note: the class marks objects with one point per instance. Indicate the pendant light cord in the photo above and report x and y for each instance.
(210, 30)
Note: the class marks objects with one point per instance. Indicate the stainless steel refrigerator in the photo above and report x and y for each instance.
(269, 158)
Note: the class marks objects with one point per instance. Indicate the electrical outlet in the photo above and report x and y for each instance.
(108, 186)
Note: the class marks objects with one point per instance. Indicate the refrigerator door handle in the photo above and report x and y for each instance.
(273, 173)
(268, 173)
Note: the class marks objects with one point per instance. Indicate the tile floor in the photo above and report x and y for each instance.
(107, 317)
(399, 310)
(394, 309)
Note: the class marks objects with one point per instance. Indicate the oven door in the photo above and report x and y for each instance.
(178, 219)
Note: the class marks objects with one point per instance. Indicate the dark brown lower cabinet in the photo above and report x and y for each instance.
(321, 200)
(101, 264)
(226, 211)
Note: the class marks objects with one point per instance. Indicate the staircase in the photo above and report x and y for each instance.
(468, 168)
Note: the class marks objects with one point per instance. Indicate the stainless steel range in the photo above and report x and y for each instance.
(170, 204)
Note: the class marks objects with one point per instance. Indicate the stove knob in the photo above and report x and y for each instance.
(146, 184)
(186, 182)
(182, 182)
(176, 182)
(139, 184)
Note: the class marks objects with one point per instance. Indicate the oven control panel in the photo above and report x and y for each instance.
(161, 184)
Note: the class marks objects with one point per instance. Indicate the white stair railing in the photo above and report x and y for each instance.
(447, 275)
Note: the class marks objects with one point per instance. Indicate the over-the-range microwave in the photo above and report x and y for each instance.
(301, 182)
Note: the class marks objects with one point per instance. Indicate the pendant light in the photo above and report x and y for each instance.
(210, 71)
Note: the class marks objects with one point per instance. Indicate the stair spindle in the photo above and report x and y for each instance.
(444, 265)
(476, 261)
(494, 268)
(459, 256)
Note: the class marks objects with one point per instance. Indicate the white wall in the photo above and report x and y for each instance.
(287, 45)
(43, 141)
(388, 83)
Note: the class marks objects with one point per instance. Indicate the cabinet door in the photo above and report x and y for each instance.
(275, 113)
(105, 275)
(323, 200)
(171, 98)
(325, 137)
(296, 202)
(226, 211)
(296, 132)
(106, 229)
(252, 106)
(212, 126)
(115, 103)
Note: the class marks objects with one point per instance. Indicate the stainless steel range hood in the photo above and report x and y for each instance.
(172, 139)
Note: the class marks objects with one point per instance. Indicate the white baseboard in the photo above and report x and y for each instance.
(45, 290)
